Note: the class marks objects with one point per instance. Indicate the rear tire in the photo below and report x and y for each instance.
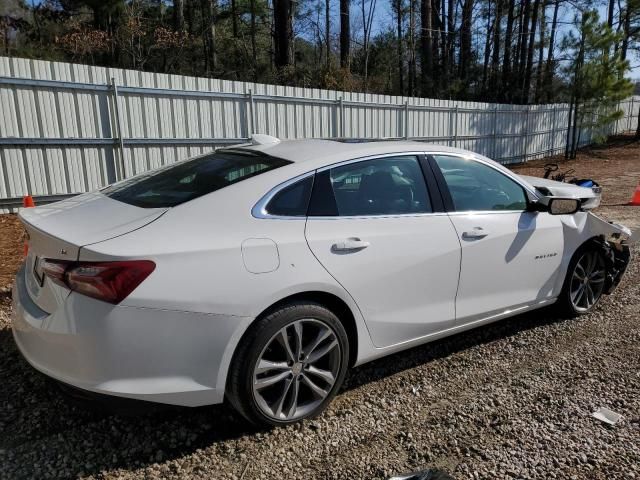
(584, 284)
(289, 365)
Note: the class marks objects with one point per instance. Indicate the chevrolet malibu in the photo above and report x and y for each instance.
(261, 273)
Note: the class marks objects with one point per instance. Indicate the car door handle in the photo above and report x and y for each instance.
(476, 233)
(350, 244)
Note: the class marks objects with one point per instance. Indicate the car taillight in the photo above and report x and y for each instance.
(107, 281)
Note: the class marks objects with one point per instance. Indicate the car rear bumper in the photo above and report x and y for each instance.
(178, 358)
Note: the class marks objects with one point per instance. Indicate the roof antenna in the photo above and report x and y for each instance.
(262, 139)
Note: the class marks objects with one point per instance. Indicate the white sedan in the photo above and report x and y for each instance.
(260, 273)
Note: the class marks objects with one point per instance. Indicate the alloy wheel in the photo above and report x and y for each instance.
(587, 281)
(297, 370)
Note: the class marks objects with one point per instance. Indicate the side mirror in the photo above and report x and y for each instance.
(563, 206)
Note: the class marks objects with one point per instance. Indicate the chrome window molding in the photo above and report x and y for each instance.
(260, 209)
(486, 212)
(507, 174)
(374, 217)
(367, 158)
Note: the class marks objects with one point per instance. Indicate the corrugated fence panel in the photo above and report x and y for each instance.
(67, 128)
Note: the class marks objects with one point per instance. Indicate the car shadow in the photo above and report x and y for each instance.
(422, 354)
(45, 430)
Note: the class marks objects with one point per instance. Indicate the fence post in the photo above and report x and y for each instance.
(336, 127)
(525, 134)
(342, 117)
(406, 119)
(455, 126)
(494, 152)
(120, 167)
(250, 114)
(630, 115)
(553, 131)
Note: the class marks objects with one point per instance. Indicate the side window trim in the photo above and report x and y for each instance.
(432, 193)
(437, 188)
(433, 189)
(444, 188)
(259, 210)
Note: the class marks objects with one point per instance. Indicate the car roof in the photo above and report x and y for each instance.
(312, 154)
(325, 152)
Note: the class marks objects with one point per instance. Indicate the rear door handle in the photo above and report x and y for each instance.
(476, 233)
(350, 244)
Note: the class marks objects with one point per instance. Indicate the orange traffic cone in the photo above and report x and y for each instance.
(635, 200)
(27, 201)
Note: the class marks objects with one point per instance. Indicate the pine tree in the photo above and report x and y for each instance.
(598, 84)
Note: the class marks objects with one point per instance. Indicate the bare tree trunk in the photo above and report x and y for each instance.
(436, 40)
(487, 50)
(254, 49)
(506, 63)
(539, 73)
(627, 33)
(530, 50)
(451, 32)
(577, 91)
(412, 47)
(465, 40)
(281, 32)
(189, 17)
(209, 8)
(426, 46)
(549, 69)
(444, 52)
(610, 16)
(234, 18)
(178, 15)
(291, 41)
(399, 16)
(524, 32)
(345, 35)
(495, 61)
(367, 25)
(327, 30)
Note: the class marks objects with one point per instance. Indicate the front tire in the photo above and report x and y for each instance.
(289, 366)
(585, 281)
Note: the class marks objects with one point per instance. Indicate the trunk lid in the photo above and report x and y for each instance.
(61, 229)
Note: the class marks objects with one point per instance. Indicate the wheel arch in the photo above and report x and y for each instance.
(332, 302)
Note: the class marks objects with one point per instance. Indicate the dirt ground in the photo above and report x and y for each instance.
(11, 249)
(512, 400)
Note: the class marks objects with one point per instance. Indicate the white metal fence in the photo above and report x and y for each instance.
(67, 128)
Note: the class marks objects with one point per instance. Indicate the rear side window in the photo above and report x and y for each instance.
(184, 181)
(292, 201)
(383, 186)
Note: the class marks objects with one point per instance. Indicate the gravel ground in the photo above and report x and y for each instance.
(511, 400)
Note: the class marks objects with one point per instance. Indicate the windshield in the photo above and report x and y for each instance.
(183, 181)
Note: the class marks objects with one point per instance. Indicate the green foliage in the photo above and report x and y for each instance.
(598, 84)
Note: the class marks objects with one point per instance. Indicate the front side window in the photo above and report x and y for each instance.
(383, 186)
(183, 181)
(475, 186)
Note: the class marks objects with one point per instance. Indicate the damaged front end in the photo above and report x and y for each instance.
(617, 257)
(614, 241)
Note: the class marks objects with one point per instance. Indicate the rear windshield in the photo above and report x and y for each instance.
(184, 181)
